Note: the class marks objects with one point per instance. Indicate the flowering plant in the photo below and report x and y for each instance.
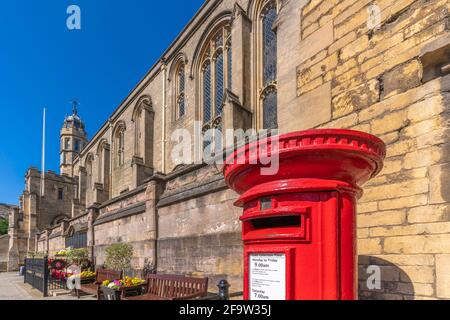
(61, 253)
(115, 285)
(124, 283)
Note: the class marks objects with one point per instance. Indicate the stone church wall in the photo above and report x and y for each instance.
(129, 219)
(199, 231)
(380, 69)
(387, 81)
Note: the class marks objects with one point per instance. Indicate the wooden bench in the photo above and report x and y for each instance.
(100, 276)
(172, 287)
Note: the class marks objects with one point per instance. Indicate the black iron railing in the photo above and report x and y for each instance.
(37, 274)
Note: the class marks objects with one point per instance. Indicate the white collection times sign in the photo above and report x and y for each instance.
(267, 274)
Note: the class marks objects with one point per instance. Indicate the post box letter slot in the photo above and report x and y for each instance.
(277, 222)
(292, 225)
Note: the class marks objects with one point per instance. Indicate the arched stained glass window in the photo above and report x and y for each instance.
(181, 88)
(119, 145)
(270, 115)
(100, 166)
(219, 86)
(269, 45)
(207, 92)
(89, 171)
(268, 73)
(216, 74)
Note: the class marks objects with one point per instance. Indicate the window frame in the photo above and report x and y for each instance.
(89, 171)
(180, 92)
(66, 143)
(77, 240)
(77, 146)
(60, 194)
(263, 88)
(121, 147)
(209, 56)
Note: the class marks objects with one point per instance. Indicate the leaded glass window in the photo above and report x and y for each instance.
(216, 75)
(219, 87)
(268, 73)
(219, 40)
(77, 241)
(269, 45)
(89, 171)
(270, 116)
(207, 92)
(120, 146)
(181, 88)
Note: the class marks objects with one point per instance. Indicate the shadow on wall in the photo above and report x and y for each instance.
(381, 280)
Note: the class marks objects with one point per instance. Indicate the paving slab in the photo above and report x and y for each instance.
(12, 287)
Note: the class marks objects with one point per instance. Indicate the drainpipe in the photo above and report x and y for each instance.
(163, 126)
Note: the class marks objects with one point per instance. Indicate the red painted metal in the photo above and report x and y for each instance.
(315, 189)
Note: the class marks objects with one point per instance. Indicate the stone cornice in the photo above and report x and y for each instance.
(217, 183)
(121, 213)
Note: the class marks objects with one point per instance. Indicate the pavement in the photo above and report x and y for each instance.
(12, 287)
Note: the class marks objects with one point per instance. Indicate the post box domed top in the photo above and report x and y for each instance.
(313, 156)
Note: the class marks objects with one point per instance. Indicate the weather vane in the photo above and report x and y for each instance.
(75, 105)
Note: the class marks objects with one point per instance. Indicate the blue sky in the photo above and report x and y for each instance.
(44, 64)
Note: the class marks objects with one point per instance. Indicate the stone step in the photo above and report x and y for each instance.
(59, 292)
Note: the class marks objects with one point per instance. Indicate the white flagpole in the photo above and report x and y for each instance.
(43, 157)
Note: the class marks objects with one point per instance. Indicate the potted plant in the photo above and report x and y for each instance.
(113, 290)
(77, 256)
(118, 257)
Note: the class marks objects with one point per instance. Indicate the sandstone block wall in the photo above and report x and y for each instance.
(56, 244)
(131, 230)
(131, 220)
(372, 79)
(201, 235)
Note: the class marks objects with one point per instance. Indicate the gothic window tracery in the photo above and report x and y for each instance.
(215, 75)
(120, 145)
(267, 73)
(89, 172)
(181, 84)
(137, 133)
(100, 159)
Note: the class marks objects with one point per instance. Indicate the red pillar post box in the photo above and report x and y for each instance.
(299, 222)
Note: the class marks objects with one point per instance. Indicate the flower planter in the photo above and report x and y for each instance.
(111, 294)
(87, 280)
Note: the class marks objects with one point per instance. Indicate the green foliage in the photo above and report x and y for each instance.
(3, 226)
(77, 255)
(118, 256)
